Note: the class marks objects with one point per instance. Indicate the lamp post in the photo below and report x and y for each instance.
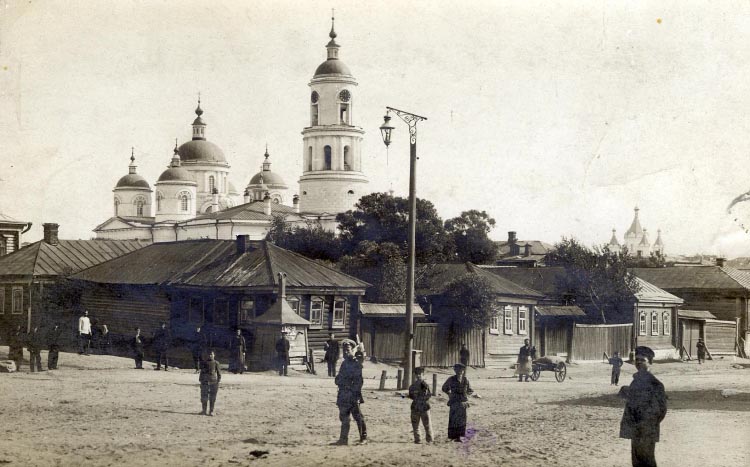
(386, 129)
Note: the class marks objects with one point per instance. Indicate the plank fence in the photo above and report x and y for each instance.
(590, 341)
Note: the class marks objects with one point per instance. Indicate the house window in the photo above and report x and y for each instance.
(221, 312)
(247, 310)
(339, 313)
(17, 300)
(495, 323)
(2, 300)
(195, 311)
(211, 183)
(642, 324)
(294, 304)
(654, 324)
(316, 313)
(522, 314)
(327, 158)
(667, 324)
(508, 320)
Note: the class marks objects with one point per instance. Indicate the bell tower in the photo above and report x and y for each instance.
(332, 179)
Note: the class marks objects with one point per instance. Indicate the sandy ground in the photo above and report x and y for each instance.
(97, 410)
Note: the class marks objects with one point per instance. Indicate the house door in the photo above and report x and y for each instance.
(690, 334)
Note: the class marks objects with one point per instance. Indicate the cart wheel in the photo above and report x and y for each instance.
(535, 374)
(560, 372)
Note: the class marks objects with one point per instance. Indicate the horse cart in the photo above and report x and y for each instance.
(545, 364)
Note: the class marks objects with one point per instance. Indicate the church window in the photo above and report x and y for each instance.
(117, 207)
(347, 159)
(139, 207)
(159, 198)
(327, 154)
(184, 202)
(309, 159)
(314, 115)
(211, 184)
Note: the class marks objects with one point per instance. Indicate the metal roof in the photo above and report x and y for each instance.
(388, 310)
(435, 281)
(695, 314)
(542, 279)
(560, 311)
(695, 277)
(64, 258)
(216, 263)
(252, 211)
(281, 313)
(537, 247)
(650, 293)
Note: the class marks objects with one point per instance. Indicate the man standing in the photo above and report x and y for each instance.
(464, 355)
(237, 348)
(419, 393)
(162, 341)
(35, 344)
(209, 378)
(645, 408)
(84, 333)
(616, 363)
(525, 355)
(53, 342)
(701, 349)
(332, 354)
(282, 352)
(137, 344)
(349, 381)
(198, 345)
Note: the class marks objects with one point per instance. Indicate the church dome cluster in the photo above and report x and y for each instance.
(637, 241)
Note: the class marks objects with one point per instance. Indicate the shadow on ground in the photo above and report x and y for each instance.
(678, 400)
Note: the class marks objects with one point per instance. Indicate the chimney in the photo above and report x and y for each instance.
(247, 196)
(267, 201)
(719, 260)
(50, 233)
(242, 243)
(512, 238)
(282, 285)
(295, 203)
(215, 200)
(527, 250)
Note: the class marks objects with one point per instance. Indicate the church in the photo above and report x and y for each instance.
(637, 241)
(193, 198)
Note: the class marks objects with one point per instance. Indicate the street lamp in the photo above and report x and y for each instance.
(386, 129)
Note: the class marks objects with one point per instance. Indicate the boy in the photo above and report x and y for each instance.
(419, 393)
(209, 378)
(616, 363)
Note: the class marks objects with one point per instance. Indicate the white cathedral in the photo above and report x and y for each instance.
(636, 240)
(194, 198)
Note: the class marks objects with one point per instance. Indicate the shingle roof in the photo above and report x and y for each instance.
(216, 263)
(650, 293)
(695, 277)
(443, 274)
(388, 310)
(64, 258)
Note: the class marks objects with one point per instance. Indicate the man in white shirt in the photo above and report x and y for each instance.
(84, 333)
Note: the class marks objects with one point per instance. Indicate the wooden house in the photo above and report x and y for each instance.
(513, 320)
(221, 285)
(32, 287)
(724, 292)
(10, 234)
(382, 327)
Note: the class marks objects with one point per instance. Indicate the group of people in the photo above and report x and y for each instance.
(35, 341)
(93, 334)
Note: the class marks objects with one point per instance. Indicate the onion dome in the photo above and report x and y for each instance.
(132, 179)
(644, 240)
(613, 241)
(658, 241)
(265, 176)
(198, 149)
(175, 173)
(332, 66)
(635, 226)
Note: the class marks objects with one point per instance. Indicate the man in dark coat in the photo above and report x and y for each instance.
(209, 378)
(616, 363)
(701, 350)
(53, 342)
(237, 348)
(332, 354)
(464, 355)
(645, 408)
(162, 341)
(525, 355)
(35, 342)
(198, 345)
(137, 345)
(15, 346)
(282, 352)
(349, 381)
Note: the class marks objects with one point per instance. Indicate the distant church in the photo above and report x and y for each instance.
(194, 198)
(637, 240)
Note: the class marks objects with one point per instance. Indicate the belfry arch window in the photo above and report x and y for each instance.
(347, 159)
(344, 98)
(327, 158)
(211, 183)
(309, 159)
(314, 108)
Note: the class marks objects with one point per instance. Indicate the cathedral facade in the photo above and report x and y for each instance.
(194, 197)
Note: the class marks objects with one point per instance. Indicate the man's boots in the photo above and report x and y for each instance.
(204, 408)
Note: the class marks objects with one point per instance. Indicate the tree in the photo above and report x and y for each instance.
(598, 279)
(381, 218)
(469, 233)
(467, 302)
(312, 240)
(382, 265)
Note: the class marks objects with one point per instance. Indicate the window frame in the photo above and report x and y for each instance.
(295, 303)
(666, 323)
(508, 320)
(211, 184)
(246, 317)
(524, 320)
(495, 322)
(339, 323)
(13, 301)
(191, 313)
(654, 320)
(642, 324)
(184, 198)
(316, 323)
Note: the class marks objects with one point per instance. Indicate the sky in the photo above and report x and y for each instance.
(557, 118)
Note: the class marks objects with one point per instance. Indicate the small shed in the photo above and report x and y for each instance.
(691, 327)
(554, 325)
(280, 318)
(382, 327)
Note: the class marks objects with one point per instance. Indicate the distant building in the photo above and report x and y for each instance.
(10, 234)
(522, 253)
(637, 240)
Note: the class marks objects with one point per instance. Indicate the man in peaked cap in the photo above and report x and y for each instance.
(349, 381)
(645, 408)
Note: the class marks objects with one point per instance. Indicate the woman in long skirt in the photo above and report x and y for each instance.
(458, 389)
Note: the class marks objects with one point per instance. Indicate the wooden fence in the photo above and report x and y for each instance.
(590, 341)
(441, 349)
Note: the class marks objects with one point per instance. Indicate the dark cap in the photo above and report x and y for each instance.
(459, 366)
(418, 370)
(643, 351)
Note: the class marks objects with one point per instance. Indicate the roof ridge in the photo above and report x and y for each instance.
(294, 253)
(36, 258)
